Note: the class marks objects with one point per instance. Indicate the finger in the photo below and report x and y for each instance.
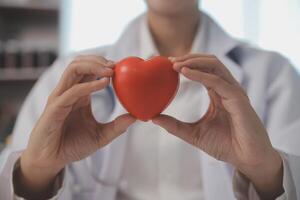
(175, 127)
(88, 78)
(209, 65)
(72, 95)
(190, 56)
(204, 64)
(214, 82)
(113, 129)
(82, 102)
(97, 59)
(77, 70)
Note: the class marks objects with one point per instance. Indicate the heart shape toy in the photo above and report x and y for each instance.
(145, 87)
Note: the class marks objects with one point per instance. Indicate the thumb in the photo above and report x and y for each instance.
(178, 128)
(116, 127)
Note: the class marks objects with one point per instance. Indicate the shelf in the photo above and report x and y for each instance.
(32, 8)
(28, 6)
(22, 74)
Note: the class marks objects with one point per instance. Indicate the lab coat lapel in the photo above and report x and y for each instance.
(112, 157)
(113, 154)
(221, 44)
(217, 175)
(217, 180)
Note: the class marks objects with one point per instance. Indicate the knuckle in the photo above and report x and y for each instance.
(52, 108)
(101, 58)
(240, 91)
(73, 65)
(177, 126)
(79, 57)
(99, 68)
(210, 56)
(93, 86)
(219, 156)
(219, 81)
(98, 59)
(76, 89)
(196, 138)
(185, 56)
(101, 138)
(189, 62)
(213, 56)
(192, 55)
(114, 128)
(216, 80)
(50, 98)
(117, 128)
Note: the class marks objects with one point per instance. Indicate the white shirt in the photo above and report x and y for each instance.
(271, 83)
(158, 165)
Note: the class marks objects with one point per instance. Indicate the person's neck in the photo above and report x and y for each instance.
(174, 35)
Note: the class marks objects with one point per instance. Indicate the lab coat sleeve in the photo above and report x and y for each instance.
(245, 190)
(283, 125)
(29, 114)
(7, 178)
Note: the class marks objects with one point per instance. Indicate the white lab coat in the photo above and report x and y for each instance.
(269, 79)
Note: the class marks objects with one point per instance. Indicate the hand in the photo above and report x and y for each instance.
(230, 131)
(67, 131)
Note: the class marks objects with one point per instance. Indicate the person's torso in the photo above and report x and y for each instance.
(158, 165)
(152, 164)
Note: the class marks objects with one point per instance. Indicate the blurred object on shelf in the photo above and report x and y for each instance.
(28, 56)
(30, 22)
(24, 60)
(12, 94)
(8, 112)
(22, 55)
(11, 54)
(29, 38)
(15, 74)
(29, 43)
(1, 55)
(31, 3)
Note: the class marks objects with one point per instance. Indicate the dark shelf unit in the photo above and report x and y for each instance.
(33, 8)
(37, 22)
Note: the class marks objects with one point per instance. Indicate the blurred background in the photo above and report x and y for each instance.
(33, 33)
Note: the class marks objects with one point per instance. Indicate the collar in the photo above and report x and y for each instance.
(210, 39)
(221, 44)
(148, 48)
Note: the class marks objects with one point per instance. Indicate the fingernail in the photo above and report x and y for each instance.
(110, 62)
(171, 59)
(176, 67)
(184, 69)
(109, 69)
(104, 79)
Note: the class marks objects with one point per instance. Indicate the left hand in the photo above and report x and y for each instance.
(230, 131)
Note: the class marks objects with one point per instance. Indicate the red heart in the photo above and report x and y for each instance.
(145, 88)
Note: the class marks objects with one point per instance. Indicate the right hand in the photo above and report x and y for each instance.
(67, 131)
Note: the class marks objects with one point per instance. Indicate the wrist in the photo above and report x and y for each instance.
(267, 176)
(37, 174)
(33, 182)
